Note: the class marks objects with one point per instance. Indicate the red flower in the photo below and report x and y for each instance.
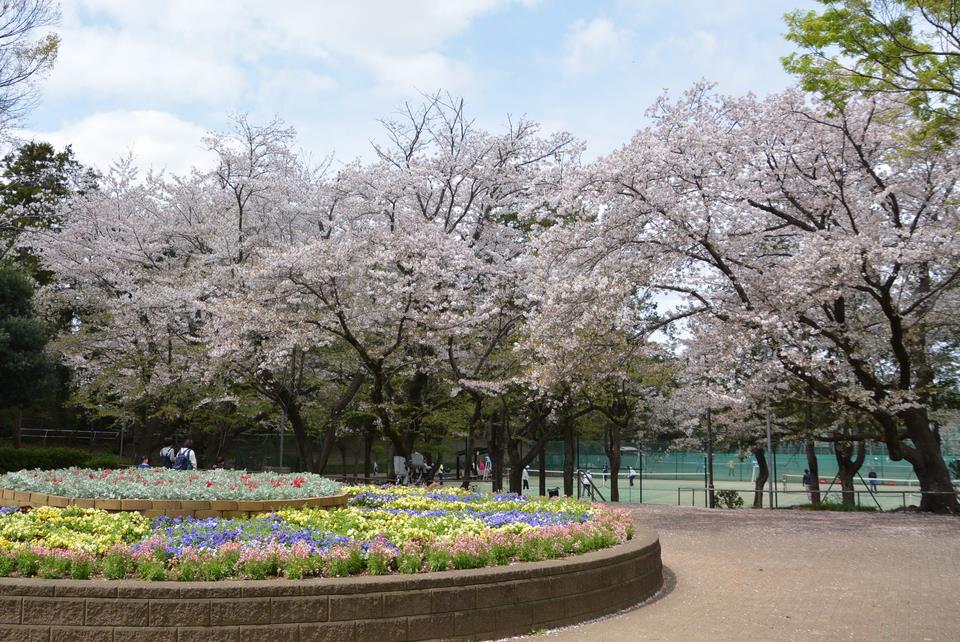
(209, 484)
(298, 482)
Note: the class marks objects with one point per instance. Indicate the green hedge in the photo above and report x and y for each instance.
(48, 458)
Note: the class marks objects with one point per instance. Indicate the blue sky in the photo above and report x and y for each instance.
(152, 78)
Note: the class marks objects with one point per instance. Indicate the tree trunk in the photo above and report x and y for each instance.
(569, 455)
(848, 464)
(762, 476)
(543, 470)
(495, 450)
(814, 467)
(812, 464)
(612, 447)
(928, 464)
(291, 410)
(475, 420)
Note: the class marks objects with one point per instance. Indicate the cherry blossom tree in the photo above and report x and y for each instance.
(805, 231)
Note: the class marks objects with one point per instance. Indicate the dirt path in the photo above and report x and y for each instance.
(785, 575)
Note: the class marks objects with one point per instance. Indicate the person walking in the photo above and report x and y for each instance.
(525, 477)
(606, 469)
(731, 468)
(872, 476)
(631, 475)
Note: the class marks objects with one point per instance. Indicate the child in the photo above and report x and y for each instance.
(144, 463)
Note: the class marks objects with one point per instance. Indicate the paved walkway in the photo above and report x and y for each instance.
(787, 575)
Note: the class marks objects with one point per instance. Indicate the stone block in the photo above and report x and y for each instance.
(52, 610)
(328, 632)
(25, 634)
(393, 630)
(136, 504)
(399, 603)
(299, 609)
(242, 611)
(453, 599)
(354, 607)
(80, 634)
(205, 634)
(10, 609)
(430, 627)
(144, 635)
(274, 633)
(117, 613)
(179, 613)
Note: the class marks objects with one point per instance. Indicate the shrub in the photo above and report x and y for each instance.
(44, 458)
(727, 499)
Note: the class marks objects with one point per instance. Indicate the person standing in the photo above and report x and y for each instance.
(872, 476)
(631, 475)
(525, 476)
(731, 468)
(808, 483)
(376, 469)
(186, 459)
(606, 469)
(167, 453)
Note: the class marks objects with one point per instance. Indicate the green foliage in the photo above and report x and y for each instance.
(12, 459)
(727, 498)
(23, 360)
(907, 47)
(35, 181)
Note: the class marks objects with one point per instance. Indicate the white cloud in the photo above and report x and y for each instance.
(591, 45)
(209, 53)
(99, 62)
(156, 140)
(427, 71)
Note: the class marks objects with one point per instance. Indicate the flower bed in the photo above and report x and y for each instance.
(382, 531)
(164, 483)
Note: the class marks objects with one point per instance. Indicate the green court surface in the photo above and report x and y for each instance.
(690, 491)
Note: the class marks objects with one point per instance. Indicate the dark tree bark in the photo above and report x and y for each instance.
(813, 464)
(569, 454)
(762, 476)
(814, 467)
(543, 469)
(850, 456)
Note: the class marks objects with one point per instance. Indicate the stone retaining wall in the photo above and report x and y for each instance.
(477, 604)
(169, 507)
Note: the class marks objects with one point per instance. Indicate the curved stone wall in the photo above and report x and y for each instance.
(169, 507)
(477, 604)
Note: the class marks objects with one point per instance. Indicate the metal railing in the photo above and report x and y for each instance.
(87, 436)
(824, 494)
